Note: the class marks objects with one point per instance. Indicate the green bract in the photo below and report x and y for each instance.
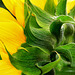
(50, 41)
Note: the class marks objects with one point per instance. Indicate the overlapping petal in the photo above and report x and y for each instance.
(16, 7)
(5, 14)
(11, 33)
(9, 5)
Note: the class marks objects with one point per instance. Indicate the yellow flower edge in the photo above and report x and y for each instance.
(11, 33)
(6, 67)
(16, 7)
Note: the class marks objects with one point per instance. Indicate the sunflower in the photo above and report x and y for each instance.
(11, 31)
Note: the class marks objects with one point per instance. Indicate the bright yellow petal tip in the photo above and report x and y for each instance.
(39, 3)
(56, 2)
(70, 5)
(6, 68)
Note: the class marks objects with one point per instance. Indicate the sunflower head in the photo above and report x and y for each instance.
(37, 36)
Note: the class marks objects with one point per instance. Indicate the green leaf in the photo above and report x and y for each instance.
(55, 28)
(46, 68)
(68, 29)
(74, 36)
(67, 70)
(66, 33)
(65, 18)
(64, 53)
(41, 33)
(50, 7)
(65, 59)
(72, 12)
(65, 62)
(26, 60)
(24, 45)
(25, 9)
(33, 41)
(39, 39)
(62, 64)
(61, 8)
(42, 17)
(68, 51)
(40, 46)
(63, 27)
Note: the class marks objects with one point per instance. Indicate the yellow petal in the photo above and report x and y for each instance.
(23, 1)
(70, 5)
(39, 3)
(6, 68)
(5, 14)
(16, 7)
(12, 35)
(9, 6)
(56, 2)
(19, 13)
